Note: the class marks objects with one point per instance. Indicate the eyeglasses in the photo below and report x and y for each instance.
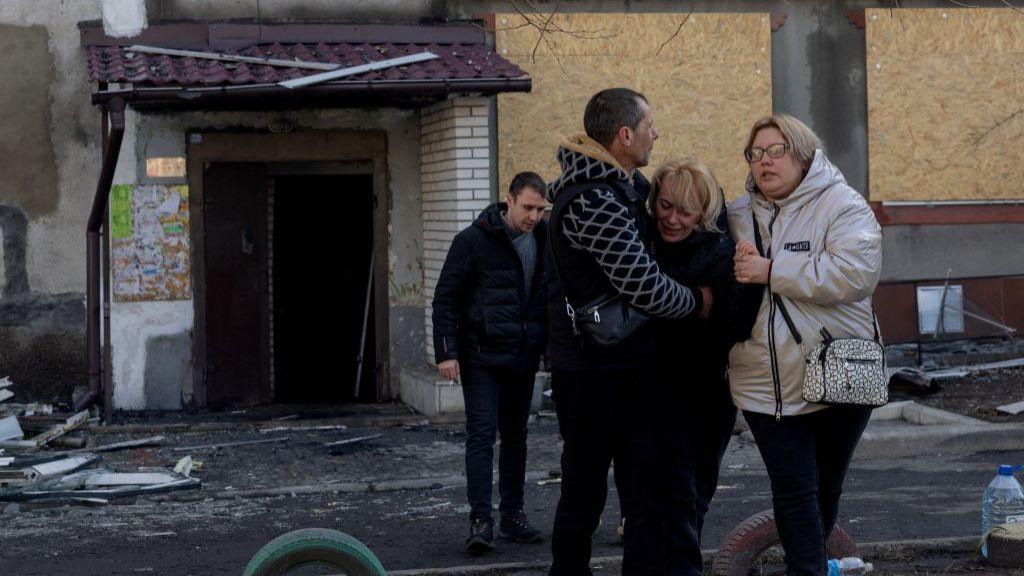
(774, 151)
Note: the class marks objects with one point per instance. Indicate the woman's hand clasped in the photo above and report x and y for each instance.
(750, 267)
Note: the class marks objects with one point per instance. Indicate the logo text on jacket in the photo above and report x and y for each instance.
(804, 246)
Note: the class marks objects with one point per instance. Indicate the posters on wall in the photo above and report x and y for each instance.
(149, 229)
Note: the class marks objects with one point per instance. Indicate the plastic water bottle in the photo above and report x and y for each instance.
(849, 566)
(1003, 502)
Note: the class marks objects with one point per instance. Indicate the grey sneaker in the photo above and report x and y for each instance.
(481, 536)
(517, 527)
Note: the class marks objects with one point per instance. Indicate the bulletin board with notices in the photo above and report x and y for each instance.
(149, 231)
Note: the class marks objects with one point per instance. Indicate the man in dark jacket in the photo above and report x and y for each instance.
(490, 327)
(598, 245)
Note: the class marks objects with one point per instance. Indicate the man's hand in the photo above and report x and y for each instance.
(449, 369)
(705, 311)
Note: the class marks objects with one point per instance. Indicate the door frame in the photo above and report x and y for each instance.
(365, 146)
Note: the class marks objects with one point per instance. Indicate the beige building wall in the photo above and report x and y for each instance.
(707, 77)
(945, 104)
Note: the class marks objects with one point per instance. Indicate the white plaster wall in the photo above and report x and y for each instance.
(123, 18)
(56, 243)
(132, 324)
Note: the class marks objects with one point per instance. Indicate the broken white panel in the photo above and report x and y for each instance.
(123, 18)
(5, 382)
(1015, 408)
(10, 429)
(5, 394)
(928, 298)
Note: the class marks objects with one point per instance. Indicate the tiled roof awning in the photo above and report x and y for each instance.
(464, 63)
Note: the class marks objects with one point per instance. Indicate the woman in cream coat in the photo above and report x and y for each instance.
(821, 258)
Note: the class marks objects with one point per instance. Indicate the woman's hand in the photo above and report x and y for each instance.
(751, 268)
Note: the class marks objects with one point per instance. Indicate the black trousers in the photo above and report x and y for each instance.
(603, 417)
(691, 422)
(807, 457)
(497, 403)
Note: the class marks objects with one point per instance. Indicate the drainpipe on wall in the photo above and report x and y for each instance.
(111, 152)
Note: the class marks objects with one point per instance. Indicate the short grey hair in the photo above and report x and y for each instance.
(611, 109)
(801, 139)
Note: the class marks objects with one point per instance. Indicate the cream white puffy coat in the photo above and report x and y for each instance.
(827, 282)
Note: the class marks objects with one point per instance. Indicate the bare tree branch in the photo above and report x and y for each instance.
(1012, 7)
(994, 127)
(676, 33)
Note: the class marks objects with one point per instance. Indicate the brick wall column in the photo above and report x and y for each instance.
(456, 182)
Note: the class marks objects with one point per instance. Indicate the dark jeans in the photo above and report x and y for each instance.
(807, 457)
(707, 429)
(497, 402)
(601, 418)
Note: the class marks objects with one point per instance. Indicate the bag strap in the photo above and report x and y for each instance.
(775, 297)
(782, 307)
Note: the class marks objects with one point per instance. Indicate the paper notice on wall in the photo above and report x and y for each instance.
(151, 260)
(121, 211)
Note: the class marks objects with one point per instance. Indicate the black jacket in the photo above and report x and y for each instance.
(482, 314)
(693, 350)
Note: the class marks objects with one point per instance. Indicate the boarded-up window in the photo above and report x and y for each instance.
(945, 104)
(706, 86)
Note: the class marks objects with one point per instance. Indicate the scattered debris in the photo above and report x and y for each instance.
(5, 382)
(1014, 408)
(184, 466)
(42, 439)
(339, 447)
(24, 473)
(10, 429)
(549, 481)
(151, 441)
(229, 444)
(234, 58)
(353, 440)
(288, 417)
(303, 428)
(109, 485)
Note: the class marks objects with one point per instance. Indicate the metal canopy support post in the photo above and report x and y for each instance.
(115, 107)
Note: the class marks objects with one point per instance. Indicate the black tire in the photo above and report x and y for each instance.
(314, 546)
(756, 535)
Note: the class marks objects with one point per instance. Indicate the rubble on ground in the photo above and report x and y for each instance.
(31, 470)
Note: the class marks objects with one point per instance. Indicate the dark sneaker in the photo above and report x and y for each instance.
(481, 536)
(516, 526)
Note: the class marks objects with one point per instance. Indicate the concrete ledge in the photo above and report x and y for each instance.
(430, 394)
(919, 414)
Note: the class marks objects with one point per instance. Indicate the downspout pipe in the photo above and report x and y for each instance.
(115, 108)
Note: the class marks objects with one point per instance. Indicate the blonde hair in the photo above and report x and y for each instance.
(801, 139)
(690, 185)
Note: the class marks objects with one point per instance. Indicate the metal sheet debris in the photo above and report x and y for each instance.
(1014, 408)
(354, 440)
(10, 429)
(303, 428)
(229, 444)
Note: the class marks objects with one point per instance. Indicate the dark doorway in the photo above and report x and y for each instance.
(322, 263)
(234, 201)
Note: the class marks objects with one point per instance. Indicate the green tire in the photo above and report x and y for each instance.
(314, 546)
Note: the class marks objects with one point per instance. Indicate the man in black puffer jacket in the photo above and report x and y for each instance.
(490, 328)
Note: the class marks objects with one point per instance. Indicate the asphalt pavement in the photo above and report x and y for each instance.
(403, 495)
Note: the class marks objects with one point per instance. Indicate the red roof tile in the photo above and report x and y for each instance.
(455, 61)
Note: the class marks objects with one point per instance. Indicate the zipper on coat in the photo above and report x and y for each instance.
(776, 380)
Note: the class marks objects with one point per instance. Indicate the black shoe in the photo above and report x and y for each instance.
(516, 526)
(481, 536)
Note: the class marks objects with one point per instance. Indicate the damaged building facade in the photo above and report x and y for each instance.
(264, 245)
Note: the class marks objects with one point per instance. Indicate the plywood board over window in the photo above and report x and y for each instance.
(945, 104)
(707, 81)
